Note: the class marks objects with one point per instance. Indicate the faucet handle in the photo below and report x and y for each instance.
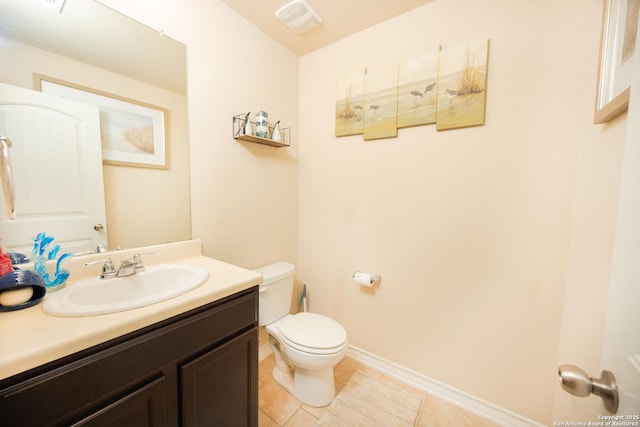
(108, 269)
(137, 259)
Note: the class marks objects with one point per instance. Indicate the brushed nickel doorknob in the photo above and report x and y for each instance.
(98, 227)
(576, 381)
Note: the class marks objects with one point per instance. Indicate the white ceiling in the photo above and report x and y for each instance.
(340, 18)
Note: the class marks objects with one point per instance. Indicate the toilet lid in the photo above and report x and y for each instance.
(313, 331)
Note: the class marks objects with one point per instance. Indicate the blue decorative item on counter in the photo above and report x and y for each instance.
(41, 242)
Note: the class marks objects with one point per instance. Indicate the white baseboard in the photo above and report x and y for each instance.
(459, 398)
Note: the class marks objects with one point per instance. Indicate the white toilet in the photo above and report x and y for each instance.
(306, 346)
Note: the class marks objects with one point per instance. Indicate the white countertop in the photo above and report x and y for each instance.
(30, 337)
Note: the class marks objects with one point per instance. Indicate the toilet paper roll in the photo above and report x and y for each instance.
(363, 279)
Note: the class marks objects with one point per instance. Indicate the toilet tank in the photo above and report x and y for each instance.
(276, 291)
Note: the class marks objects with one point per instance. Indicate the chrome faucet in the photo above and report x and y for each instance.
(127, 267)
(108, 269)
(137, 259)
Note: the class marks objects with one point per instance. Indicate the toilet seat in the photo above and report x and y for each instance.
(313, 333)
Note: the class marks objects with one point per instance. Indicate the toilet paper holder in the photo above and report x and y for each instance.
(366, 279)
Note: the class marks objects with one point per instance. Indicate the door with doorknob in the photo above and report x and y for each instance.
(56, 164)
(618, 384)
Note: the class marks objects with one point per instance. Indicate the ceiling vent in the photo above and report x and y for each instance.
(299, 16)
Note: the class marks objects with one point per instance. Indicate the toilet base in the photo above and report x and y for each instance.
(314, 387)
(283, 379)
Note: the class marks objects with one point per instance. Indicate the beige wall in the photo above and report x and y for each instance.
(243, 195)
(474, 231)
(136, 216)
(483, 236)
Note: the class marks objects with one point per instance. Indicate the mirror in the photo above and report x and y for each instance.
(89, 45)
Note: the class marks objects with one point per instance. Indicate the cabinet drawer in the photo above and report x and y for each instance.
(78, 388)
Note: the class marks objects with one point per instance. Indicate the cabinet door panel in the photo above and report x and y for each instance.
(220, 387)
(144, 407)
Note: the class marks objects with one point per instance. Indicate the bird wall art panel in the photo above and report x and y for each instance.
(462, 83)
(417, 88)
(350, 103)
(381, 103)
(447, 87)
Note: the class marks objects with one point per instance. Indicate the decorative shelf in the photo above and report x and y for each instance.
(238, 133)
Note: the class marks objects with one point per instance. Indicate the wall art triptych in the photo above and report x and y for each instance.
(442, 87)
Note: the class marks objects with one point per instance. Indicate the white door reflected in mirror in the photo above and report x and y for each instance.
(57, 171)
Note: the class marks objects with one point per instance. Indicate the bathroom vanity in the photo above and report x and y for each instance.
(194, 361)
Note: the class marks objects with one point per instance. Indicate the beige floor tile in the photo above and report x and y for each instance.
(265, 421)
(316, 412)
(279, 408)
(301, 418)
(394, 382)
(330, 421)
(277, 403)
(438, 412)
(345, 370)
(265, 369)
(349, 366)
(421, 411)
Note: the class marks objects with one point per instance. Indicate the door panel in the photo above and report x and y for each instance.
(621, 346)
(616, 310)
(57, 171)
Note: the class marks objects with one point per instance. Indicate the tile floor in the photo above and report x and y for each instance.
(279, 408)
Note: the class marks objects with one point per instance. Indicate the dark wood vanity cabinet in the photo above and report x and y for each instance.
(199, 368)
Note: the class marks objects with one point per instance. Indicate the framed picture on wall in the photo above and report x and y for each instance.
(617, 48)
(132, 133)
(462, 85)
(350, 103)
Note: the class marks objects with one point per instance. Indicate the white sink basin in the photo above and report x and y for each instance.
(94, 296)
